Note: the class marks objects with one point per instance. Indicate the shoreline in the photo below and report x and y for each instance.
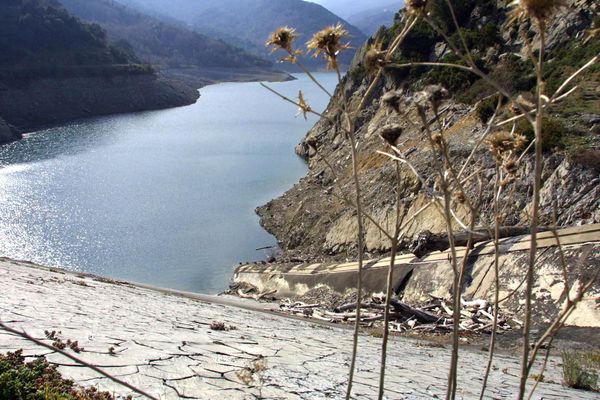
(192, 81)
(167, 345)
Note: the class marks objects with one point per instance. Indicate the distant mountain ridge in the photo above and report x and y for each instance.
(248, 23)
(160, 42)
(349, 8)
(369, 21)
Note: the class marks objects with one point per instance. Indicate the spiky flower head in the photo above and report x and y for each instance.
(415, 7)
(503, 146)
(375, 57)
(328, 43)
(391, 133)
(393, 99)
(539, 10)
(432, 94)
(283, 39)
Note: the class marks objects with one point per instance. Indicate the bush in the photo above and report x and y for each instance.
(38, 380)
(580, 370)
(553, 133)
(453, 79)
(486, 108)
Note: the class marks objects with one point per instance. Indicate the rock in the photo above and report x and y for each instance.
(7, 133)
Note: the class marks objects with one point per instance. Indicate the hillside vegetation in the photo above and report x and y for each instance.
(325, 227)
(369, 21)
(160, 42)
(40, 33)
(248, 23)
(55, 68)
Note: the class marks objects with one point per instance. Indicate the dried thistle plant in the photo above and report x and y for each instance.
(329, 43)
(415, 7)
(376, 57)
(538, 10)
(283, 39)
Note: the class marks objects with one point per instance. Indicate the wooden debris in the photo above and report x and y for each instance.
(476, 316)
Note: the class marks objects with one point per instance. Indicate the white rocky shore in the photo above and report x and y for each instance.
(162, 342)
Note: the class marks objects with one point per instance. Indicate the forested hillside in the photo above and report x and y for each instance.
(55, 68)
(40, 33)
(248, 23)
(160, 42)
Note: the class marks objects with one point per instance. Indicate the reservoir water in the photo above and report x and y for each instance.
(164, 197)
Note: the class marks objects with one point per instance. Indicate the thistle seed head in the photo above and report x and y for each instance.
(415, 7)
(283, 39)
(434, 94)
(390, 134)
(303, 107)
(503, 144)
(375, 58)
(393, 99)
(525, 100)
(328, 43)
(539, 10)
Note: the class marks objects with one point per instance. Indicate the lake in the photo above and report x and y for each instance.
(164, 197)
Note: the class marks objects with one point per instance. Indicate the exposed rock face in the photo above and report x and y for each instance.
(7, 133)
(309, 220)
(51, 101)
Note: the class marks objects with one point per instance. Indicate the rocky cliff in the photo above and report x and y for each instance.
(310, 222)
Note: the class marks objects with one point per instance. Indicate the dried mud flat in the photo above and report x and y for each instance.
(163, 343)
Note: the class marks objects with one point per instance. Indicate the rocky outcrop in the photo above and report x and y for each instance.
(40, 102)
(7, 133)
(310, 222)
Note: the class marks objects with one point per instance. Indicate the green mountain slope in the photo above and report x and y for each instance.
(55, 68)
(369, 21)
(41, 33)
(248, 23)
(159, 42)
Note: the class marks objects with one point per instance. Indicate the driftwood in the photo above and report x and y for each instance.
(426, 242)
(476, 316)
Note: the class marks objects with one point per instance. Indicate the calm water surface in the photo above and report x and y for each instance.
(163, 197)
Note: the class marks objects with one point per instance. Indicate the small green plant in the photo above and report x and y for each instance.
(38, 380)
(553, 133)
(580, 370)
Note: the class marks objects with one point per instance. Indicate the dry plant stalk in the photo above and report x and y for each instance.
(505, 147)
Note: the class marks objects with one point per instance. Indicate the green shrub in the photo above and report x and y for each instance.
(553, 133)
(580, 370)
(567, 59)
(486, 108)
(512, 74)
(38, 380)
(454, 79)
(478, 39)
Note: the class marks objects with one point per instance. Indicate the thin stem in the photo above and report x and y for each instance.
(390, 282)
(534, 218)
(360, 264)
(488, 367)
(310, 75)
(541, 374)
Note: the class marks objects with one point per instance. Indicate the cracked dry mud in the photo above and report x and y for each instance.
(163, 343)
